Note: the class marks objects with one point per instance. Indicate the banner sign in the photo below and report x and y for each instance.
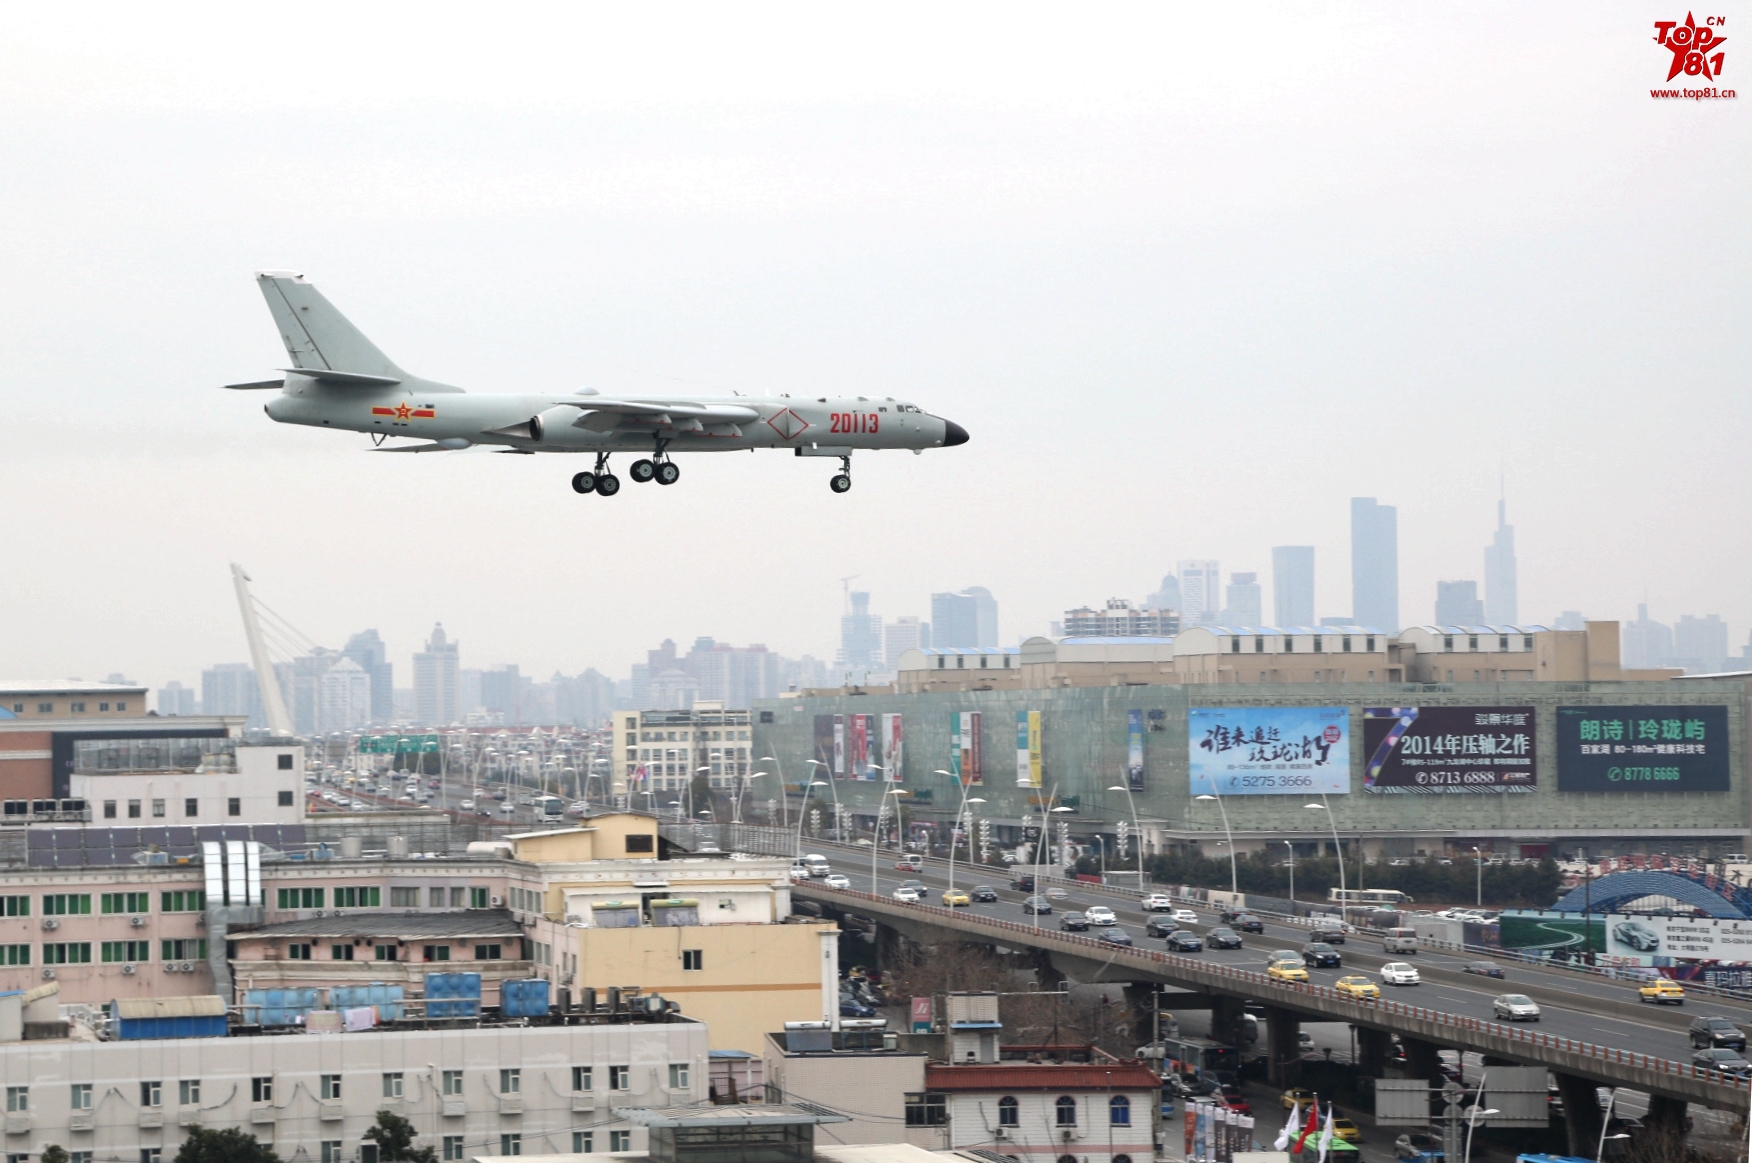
(397, 744)
(1028, 765)
(965, 760)
(1251, 751)
(921, 1015)
(1637, 938)
(1449, 749)
(861, 747)
(1134, 750)
(823, 745)
(1654, 749)
(892, 754)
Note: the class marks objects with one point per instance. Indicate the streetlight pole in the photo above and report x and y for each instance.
(1137, 833)
(960, 814)
(1292, 849)
(784, 808)
(876, 840)
(803, 811)
(1478, 863)
(1234, 880)
(834, 788)
(1324, 806)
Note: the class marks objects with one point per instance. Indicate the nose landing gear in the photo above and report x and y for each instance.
(842, 481)
(602, 482)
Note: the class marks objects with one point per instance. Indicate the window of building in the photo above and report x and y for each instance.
(511, 1144)
(1447, 642)
(17, 1100)
(133, 809)
(125, 902)
(1527, 642)
(261, 1089)
(152, 1094)
(1119, 1110)
(285, 761)
(1472, 642)
(332, 1151)
(45, 708)
(285, 799)
(340, 952)
(641, 843)
(477, 898)
(392, 1084)
(1346, 648)
(678, 1076)
(116, 951)
(1503, 643)
(437, 953)
(330, 1086)
(79, 1157)
(158, 809)
(299, 898)
(1371, 644)
(453, 1083)
(435, 897)
(620, 1078)
(1066, 1110)
(620, 1141)
(109, 809)
(693, 959)
(453, 1147)
(487, 952)
(67, 953)
(151, 1155)
(1009, 1112)
(66, 904)
(14, 954)
(925, 1109)
(15, 906)
(456, 897)
(80, 1097)
(511, 1081)
(404, 898)
(233, 806)
(583, 1142)
(184, 949)
(358, 896)
(298, 951)
(386, 953)
(188, 1092)
(191, 806)
(582, 1078)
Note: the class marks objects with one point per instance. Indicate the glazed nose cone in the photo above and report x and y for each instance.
(953, 434)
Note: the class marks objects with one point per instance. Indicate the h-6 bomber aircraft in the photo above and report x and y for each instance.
(338, 379)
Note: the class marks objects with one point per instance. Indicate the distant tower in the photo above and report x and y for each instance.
(1242, 600)
(438, 681)
(1201, 593)
(1292, 585)
(1501, 605)
(1457, 604)
(1374, 564)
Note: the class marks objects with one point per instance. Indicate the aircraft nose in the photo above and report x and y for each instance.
(953, 434)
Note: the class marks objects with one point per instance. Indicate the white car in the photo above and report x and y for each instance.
(1515, 1007)
(837, 880)
(1100, 915)
(911, 896)
(466, 805)
(1185, 917)
(1157, 903)
(798, 873)
(508, 809)
(1399, 973)
(357, 805)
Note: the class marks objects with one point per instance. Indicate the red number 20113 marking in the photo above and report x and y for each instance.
(850, 423)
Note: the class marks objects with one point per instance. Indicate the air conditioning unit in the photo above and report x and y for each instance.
(188, 967)
(137, 922)
(48, 975)
(1001, 1134)
(51, 923)
(128, 969)
(498, 902)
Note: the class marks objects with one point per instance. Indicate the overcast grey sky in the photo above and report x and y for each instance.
(1191, 279)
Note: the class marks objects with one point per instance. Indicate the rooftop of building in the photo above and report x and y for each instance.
(67, 686)
(1040, 1076)
(386, 923)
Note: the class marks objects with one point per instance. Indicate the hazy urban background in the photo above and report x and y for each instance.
(1192, 281)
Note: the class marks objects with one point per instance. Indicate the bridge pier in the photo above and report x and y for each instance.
(1581, 1113)
(1283, 1055)
(1665, 1113)
(1372, 1048)
(1045, 972)
(1421, 1061)
(888, 946)
(1226, 1021)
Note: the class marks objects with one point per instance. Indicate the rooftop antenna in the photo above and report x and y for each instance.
(273, 704)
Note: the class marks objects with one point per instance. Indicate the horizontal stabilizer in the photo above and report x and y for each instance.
(258, 386)
(351, 379)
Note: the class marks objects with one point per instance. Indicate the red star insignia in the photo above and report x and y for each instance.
(402, 412)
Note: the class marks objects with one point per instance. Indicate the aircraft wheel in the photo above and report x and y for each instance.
(584, 482)
(607, 484)
(642, 471)
(668, 473)
(840, 483)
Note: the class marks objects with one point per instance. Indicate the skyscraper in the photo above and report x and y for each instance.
(176, 699)
(966, 619)
(1200, 592)
(368, 650)
(860, 636)
(1501, 602)
(902, 635)
(1374, 564)
(438, 680)
(1457, 604)
(1166, 598)
(1700, 645)
(344, 697)
(1292, 585)
(1646, 643)
(230, 689)
(1242, 600)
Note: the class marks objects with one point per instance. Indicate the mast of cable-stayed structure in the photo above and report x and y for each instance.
(273, 705)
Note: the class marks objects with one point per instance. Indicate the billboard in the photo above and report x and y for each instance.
(893, 754)
(965, 760)
(1654, 749)
(824, 746)
(1134, 750)
(1633, 937)
(861, 747)
(1252, 751)
(1449, 749)
(1028, 765)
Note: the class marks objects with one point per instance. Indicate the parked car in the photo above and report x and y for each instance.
(1074, 922)
(850, 1008)
(1223, 938)
(1159, 926)
(1662, 991)
(1515, 1007)
(1184, 941)
(1722, 1059)
(1715, 1031)
(1185, 916)
(837, 880)
(1247, 923)
(1399, 973)
(1320, 955)
(1157, 903)
(1100, 915)
(1116, 936)
(1483, 968)
(1037, 905)
(984, 893)
(1357, 986)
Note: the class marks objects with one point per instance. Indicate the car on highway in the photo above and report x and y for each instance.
(1346, 1130)
(1116, 936)
(1357, 986)
(1331, 934)
(508, 809)
(798, 872)
(1715, 1031)
(911, 862)
(956, 898)
(1159, 926)
(1515, 1007)
(1399, 973)
(908, 895)
(1285, 969)
(1037, 905)
(1296, 1098)
(356, 805)
(1283, 955)
(1157, 903)
(1722, 1059)
(837, 880)
(1074, 922)
(1247, 923)
(1100, 915)
(434, 783)
(1320, 955)
(1184, 941)
(1023, 882)
(1231, 1097)
(917, 886)
(1662, 991)
(1185, 916)
(1483, 968)
(1222, 937)
(1057, 894)
(404, 799)
(984, 893)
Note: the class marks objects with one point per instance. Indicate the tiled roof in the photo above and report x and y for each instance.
(1041, 1076)
(468, 923)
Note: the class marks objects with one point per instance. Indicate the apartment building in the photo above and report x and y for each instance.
(661, 751)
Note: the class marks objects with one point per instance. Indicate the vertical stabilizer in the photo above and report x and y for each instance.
(316, 335)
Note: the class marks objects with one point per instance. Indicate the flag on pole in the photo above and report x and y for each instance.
(1312, 1125)
(1326, 1134)
(1282, 1142)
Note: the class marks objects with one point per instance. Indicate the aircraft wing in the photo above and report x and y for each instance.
(603, 414)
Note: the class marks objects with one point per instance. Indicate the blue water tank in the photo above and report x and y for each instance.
(453, 995)
(277, 1007)
(524, 999)
(387, 998)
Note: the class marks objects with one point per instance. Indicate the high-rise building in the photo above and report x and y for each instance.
(1646, 643)
(504, 691)
(968, 618)
(1570, 620)
(1501, 601)
(1201, 592)
(1167, 597)
(1457, 604)
(176, 699)
(230, 689)
(733, 676)
(901, 635)
(860, 637)
(1119, 619)
(367, 649)
(438, 680)
(344, 697)
(1292, 585)
(1700, 645)
(1374, 564)
(584, 701)
(1243, 600)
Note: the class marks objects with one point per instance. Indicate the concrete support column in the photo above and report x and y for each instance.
(1045, 972)
(887, 946)
(1421, 1061)
(1283, 1046)
(1582, 1115)
(1665, 1113)
(1372, 1049)
(1226, 1018)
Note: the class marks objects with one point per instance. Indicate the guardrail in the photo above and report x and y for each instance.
(1257, 984)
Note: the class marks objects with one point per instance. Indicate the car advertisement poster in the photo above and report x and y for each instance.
(965, 760)
(1648, 749)
(1449, 749)
(1028, 766)
(1253, 751)
(1639, 938)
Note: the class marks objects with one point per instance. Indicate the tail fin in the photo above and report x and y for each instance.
(317, 336)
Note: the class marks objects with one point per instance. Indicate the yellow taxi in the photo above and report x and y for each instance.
(1346, 1130)
(1297, 1097)
(956, 897)
(1358, 986)
(1662, 991)
(1287, 970)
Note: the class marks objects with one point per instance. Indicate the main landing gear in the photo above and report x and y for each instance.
(659, 468)
(842, 481)
(601, 481)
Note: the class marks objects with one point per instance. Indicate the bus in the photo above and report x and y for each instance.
(549, 808)
(1379, 898)
(1198, 1056)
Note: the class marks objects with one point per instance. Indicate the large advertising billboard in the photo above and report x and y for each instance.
(893, 752)
(1028, 766)
(1658, 749)
(1449, 749)
(1134, 751)
(965, 760)
(1252, 751)
(1631, 937)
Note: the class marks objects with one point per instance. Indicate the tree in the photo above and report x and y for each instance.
(394, 1137)
(54, 1154)
(227, 1146)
